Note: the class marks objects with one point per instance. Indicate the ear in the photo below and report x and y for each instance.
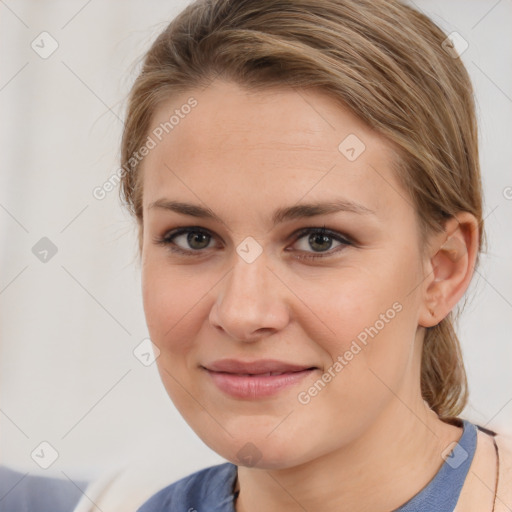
(449, 267)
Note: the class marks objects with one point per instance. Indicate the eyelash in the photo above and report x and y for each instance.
(167, 242)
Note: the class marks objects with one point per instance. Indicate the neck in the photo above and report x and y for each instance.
(385, 467)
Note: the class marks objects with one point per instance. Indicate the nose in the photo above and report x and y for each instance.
(251, 301)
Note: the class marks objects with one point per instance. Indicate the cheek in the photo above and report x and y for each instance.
(171, 302)
(369, 317)
(368, 354)
(348, 302)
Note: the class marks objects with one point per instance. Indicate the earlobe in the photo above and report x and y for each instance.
(451, 265)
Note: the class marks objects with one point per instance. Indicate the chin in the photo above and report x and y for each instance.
(257, 450)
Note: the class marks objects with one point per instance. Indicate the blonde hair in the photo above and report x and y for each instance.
(380, 58)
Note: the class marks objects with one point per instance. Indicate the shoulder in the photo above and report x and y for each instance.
(209, 486)
(489, 480)
(25, 492)
(504, 444)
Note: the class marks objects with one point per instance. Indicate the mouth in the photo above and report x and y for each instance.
(256, 379)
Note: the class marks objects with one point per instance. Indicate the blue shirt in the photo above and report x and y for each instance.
(28, 493)
(212, 489)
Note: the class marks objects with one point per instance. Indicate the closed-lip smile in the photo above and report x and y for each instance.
(255, 379)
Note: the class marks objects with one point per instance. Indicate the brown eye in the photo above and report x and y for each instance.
(196, 239)
(190, 241)
(320, 240)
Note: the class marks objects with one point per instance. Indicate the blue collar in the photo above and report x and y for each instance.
(442, 492)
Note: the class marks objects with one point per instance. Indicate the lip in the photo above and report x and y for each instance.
(256, 379)
(255, 367)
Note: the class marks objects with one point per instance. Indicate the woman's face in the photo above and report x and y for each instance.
(258, 288)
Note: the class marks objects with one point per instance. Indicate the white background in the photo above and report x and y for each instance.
(68, 327)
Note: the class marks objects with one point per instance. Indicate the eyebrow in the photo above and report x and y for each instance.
(280, 215)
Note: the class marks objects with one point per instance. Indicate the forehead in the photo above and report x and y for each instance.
(276, 145)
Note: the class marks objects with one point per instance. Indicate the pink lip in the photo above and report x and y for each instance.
(253, 379)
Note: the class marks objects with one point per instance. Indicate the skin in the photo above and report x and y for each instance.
(367, 441)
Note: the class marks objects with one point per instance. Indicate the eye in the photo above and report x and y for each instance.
(321, 239)
(194, 239)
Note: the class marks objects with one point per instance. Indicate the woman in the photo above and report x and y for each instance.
(305, 178)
